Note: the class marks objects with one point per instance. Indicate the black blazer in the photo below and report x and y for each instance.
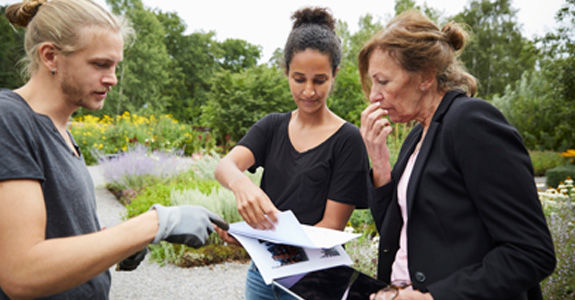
(476, 228)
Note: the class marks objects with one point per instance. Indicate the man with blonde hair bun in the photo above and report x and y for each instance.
(51, 243)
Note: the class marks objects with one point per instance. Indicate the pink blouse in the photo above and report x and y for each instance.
(399, 269)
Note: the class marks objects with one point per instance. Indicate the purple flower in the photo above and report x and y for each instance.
(129, 168)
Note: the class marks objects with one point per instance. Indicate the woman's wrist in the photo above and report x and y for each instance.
(234, 182)
(381, 175)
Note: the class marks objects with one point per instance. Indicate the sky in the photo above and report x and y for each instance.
(267, 23)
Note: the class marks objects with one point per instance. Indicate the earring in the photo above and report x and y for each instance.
(53, 71)
(423, 89)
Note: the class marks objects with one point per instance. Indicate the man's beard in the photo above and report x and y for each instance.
(77, 97)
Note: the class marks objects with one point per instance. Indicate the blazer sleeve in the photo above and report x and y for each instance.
(497, 172)
(379, 200)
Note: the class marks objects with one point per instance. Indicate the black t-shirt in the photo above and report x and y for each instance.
(337, 169)
(32, 148)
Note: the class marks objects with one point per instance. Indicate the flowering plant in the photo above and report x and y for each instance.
(99, 137)
(559, 206)
(569, 154)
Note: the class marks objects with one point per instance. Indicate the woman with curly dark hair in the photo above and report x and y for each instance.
(315, 163)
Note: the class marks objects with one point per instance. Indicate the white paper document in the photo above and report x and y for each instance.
(292, 248)
(290, 231)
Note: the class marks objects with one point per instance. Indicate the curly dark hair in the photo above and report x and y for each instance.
(313, 27)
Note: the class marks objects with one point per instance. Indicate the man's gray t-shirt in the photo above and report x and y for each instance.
(32, 148)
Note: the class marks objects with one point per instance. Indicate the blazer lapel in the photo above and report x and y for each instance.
(426, 147)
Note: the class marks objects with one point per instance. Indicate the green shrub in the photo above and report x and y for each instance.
(545, 160)
(161, 192)
(146, 197)
(361, 221)
(558, 174)
(219, 200)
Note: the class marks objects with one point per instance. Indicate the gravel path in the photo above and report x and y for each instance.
(152, 281)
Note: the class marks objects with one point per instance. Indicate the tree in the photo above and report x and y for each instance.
(528, 106)
(352, 43)
(193, 64)
(144, 74)
(431, 13)
(277, 59)
(558, 67)
(540, 105)
(238, 55)
(347, 99)
(176, 44)
(11, 50)
(237, 100)
(403, 5)
(559, 50)
(497, 53)
(195, 59)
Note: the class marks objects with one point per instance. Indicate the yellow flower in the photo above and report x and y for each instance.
(569, 153)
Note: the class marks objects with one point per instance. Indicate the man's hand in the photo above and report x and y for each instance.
(186, 224)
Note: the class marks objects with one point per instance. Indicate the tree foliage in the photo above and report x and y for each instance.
(540, 105)
(204, 82)
(238, 55)
(145, 72)
(529, 108)
(237, 100)
(11, 50)
(497, 53)
(195, 58)
(194, 61)
(352, 43)
(347, 99)
(433, 14)
(559, 61)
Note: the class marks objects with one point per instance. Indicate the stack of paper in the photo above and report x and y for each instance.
(292, 248)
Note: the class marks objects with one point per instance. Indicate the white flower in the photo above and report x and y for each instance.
(375, 243)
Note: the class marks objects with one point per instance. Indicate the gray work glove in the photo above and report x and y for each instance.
(133, 261)
(186, 224)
